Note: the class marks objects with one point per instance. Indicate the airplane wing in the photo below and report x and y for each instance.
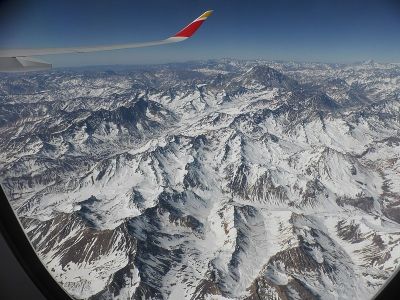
(20, 60)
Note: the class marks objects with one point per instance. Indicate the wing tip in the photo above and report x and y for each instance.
(190, 29)
(205, 15)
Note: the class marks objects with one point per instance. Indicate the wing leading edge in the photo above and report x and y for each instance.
(10, 59)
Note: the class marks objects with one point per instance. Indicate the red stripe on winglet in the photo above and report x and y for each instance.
(189, 30)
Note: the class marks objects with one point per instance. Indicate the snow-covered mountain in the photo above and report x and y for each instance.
(220, 179)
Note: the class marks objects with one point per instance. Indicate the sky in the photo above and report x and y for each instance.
(291, 30)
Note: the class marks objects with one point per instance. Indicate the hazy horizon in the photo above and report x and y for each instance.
(155, 64)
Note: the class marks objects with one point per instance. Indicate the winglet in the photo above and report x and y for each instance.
(190, 29)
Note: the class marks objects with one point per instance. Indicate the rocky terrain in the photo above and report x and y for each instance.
(221, 179)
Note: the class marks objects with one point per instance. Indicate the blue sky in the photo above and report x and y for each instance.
(301, 30)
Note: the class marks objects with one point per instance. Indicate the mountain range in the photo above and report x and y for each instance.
(219, 179)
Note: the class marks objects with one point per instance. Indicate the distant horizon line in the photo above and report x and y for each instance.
(360, 62)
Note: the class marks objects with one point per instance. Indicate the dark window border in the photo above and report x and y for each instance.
(391, 288)
(16, 239)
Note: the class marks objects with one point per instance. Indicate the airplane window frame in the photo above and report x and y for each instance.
(15, 237)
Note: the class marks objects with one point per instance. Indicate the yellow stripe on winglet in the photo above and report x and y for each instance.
(206, 14)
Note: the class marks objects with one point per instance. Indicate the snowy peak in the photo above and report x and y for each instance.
(261, 76)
